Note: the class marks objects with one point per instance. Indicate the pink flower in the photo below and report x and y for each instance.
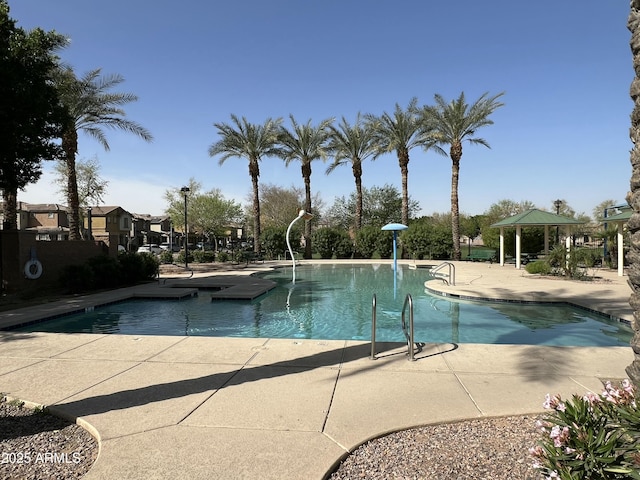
(559, 436)
(591, 398)
(553, 402)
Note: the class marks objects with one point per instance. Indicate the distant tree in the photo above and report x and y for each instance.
(91, 107)
(428, 238)
(471, 227)
(399, 131)
(305, 143)
(352, 144)
(598, 211)
(381, 205)
(252, 142)
(175, 199)
(91, 187)
(450, 124)
(280, 205)
(209, 214)
(499, 211)
(31, 118)
(212, 214)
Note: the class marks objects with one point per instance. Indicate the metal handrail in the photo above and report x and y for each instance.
(373, 328)
(451, 274)
(408, 335)
(408, 331)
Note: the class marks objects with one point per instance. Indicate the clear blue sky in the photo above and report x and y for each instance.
(565, 67)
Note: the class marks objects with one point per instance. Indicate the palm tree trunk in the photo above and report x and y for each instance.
(357, 175)
(455, 209)
(455, 152)
(403, 160)
(70, 147)
(306, 175)
(10, 209)
(633, 370)
(254, 171)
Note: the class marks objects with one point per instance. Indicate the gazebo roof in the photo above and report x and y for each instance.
(623, 216)
(535, 217)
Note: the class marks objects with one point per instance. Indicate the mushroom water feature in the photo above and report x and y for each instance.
(395, 227)
(306, 216)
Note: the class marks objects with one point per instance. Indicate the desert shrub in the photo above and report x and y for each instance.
(274, 242)
(76, 278)
(166, 257)
(539, 267)
(384, 243)
(343, 245)
(588, 257)
(324, 241)
(591, 437)
(106, 271)
(203, 256)
(366, 241)
(180, 257)
(136, 267)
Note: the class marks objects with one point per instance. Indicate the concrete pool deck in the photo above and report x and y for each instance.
(197, 407)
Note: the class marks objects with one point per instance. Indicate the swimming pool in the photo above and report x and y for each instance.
(334, 302)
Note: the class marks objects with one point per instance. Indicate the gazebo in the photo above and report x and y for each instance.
(620, 219)
(531, 218)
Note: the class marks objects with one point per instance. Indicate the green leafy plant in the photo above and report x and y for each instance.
(203, 256)
(539, 267)
(591, 437)
(165, 257)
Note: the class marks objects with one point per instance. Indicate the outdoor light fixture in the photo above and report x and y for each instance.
(185, 191)
(557, 204)
(306, 216)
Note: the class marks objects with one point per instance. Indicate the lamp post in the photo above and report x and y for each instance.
(557, 204)
(185, 191)
(395, 227)
(306, 216)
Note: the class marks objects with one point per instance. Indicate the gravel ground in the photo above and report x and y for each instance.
(483, 449)
(36, 445)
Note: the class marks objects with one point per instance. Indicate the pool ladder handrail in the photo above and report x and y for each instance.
(408, 331)
(451, 275)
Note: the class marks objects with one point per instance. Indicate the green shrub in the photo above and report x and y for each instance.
(539, 267)
(274, 243)
(136, 267)
(325, 240)
(180, 258)
(203, 256)
(76, 278)
(588, 257)
(223, 257)
(344, 245)
(366, 241)
(106, 271)
(591, 437)
(384, 243)
(166, 257)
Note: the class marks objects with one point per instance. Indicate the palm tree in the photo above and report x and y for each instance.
(352, 144)
(451, 124)
(305, 143)
(400, 131)
(251, 142)
(91, 107)
(633, 370)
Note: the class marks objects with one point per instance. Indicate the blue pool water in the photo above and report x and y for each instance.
(335, 302)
